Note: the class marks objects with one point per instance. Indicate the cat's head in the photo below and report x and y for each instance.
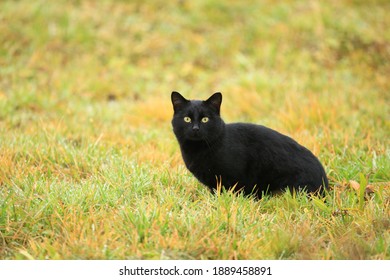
(197, 120)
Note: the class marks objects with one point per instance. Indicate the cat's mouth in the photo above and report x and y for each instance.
(195, 136)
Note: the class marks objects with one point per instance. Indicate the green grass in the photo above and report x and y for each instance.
(89, 166)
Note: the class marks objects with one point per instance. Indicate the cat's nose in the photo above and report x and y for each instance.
(195, 127)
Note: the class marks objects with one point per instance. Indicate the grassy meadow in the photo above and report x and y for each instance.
(90, 168)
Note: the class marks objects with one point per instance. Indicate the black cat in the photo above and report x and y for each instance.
(247, 157)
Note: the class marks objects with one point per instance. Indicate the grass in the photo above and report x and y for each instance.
(89, 166)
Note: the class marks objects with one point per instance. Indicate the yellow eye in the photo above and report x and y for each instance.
(205, 119)
(187, 119)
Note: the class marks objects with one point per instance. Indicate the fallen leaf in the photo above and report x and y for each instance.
(370, 189)
(355, 185)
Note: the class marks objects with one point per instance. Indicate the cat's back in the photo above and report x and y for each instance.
(249, 133)
(263, 143)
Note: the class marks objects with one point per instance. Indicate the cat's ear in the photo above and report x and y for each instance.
(215, 101)
(178, 100)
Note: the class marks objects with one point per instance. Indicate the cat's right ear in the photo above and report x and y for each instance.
(178, 101)
(215, 101)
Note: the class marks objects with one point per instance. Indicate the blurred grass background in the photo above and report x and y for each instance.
(86, 141)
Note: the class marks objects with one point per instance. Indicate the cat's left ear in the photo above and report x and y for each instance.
(215, 101)
(178, 100)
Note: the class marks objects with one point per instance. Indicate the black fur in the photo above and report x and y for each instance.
(255, 158)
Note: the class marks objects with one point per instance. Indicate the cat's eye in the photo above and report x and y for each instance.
(205, 119)
(187, 119)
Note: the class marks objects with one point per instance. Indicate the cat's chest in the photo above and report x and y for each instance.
(212, 160)
(200, 159)
(207, 165)
(203, 165)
